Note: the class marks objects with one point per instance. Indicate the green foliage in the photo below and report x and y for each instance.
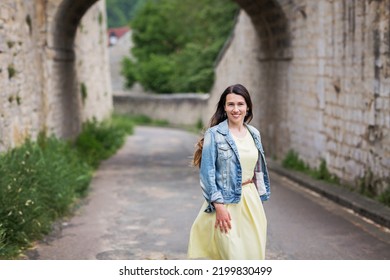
(29, 23)
(2, 237)
(11, 71)
(368, 186)
(322, 173)
(38, 183)
(128, 70)
(366, 183)
(154, 74)
(199, 125)
(98, 141)
(41, 181)
(18, 100)
(10, 44)
(84, 92)
(100, 18)
(120, 12)
(176, 43)
(292, 161)
(385, 196)
(123, 123)
(144, 120)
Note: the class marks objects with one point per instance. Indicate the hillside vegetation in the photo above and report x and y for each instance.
(176, 43)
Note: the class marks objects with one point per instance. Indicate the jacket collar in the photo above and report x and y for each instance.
(223, 127)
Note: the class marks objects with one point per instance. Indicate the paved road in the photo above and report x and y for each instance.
(144, 199)
(305, 226)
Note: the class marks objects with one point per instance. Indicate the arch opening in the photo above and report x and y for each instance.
(259, 57)
(272, 27)
(66, 87)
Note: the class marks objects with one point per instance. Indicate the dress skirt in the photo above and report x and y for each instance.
(245, 241)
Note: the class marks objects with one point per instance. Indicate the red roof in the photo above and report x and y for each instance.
(118, 31)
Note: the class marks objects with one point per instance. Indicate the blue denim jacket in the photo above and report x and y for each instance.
(220, 169)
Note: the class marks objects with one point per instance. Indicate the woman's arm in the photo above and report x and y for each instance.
(208, 172)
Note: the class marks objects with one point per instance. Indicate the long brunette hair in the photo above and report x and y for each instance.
(220, 115)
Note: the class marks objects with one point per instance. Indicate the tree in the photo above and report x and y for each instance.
(120, 12)
(176, 43)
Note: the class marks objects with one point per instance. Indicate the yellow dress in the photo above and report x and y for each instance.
(247, 238)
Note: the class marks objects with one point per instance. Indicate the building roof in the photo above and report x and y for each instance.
(118, 31)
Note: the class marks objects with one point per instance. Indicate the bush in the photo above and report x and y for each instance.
(97, 142)
(38, 183)
(41, 181)
(129, 72)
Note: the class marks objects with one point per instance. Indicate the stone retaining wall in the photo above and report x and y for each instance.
(177, 109)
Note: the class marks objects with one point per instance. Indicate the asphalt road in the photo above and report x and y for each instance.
(144, 199)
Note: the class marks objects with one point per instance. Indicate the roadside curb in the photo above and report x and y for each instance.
(362, 205)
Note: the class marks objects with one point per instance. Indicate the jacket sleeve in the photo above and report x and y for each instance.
(208, 172)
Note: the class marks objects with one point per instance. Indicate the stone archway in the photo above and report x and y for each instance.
(258, 56)
(65, 88)
(66, 21)
(271, 25)
(272, 56)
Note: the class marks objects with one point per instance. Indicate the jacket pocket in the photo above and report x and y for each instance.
(224, 151)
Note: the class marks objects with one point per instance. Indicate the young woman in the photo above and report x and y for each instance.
(231, 224)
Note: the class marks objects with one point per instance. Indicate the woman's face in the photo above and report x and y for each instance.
(235, 108)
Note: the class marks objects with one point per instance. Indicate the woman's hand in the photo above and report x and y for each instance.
(222, 218)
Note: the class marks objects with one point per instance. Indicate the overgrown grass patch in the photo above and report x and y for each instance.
(42, 180)
(385, 197)
(365, 186)
(39, 181)
(293, 161)
(145, 120)
(98, 141)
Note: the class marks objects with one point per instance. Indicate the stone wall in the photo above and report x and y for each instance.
(21, 71)
(177, 109)
(53, 68)
(323, 90)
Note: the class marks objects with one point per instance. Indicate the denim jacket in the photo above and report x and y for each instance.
(220, 169)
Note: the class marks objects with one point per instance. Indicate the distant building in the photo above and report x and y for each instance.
(114, 34)
(119, 41)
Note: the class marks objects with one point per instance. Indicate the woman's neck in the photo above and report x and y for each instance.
(237, 129)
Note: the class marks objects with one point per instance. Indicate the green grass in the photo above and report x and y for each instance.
(41, 181)
(365, 186)
(293, 161)
(145, 120)
(385, 197)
